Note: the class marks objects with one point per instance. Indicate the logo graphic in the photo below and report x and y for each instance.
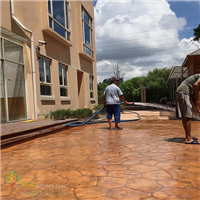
(12, 179)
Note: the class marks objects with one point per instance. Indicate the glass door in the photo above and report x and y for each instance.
(13, 98)
(14, 78)
(2, 93)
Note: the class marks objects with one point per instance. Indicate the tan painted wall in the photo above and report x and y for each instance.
(34, 16)
(5, 14)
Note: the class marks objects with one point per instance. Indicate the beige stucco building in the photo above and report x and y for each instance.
(48, 57)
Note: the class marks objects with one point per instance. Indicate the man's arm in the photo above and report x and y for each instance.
(104, 99)
(197, 97)
(123, 99)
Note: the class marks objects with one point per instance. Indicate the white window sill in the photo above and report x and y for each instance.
(87, 56)
(57, 36)
(46, 98)
(65, 99)
(92, 100)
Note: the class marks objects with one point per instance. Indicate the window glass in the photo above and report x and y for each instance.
(64, 76)
(60, 75)
(91, 94)
(1, 48)
(49, 6)
(3, 111)
(91, 83)
(66, 7)
(68, 34)
(48, 73)
(86, 17)
(13, 52)
(1, 80)
(59, 29)
(91, 87)
(45, 90)
(88, 51)
(63, 92)
(50, 22)
(87, 35)
(41, 68)
(14, 76)
(58, 11)
(59, 17)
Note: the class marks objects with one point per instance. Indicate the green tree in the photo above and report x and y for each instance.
(101, 87)
(155, 82)
(197, 33)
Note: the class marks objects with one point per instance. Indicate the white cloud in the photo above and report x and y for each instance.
(140, 35)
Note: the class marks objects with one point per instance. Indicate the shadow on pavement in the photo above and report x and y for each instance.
(177, 140)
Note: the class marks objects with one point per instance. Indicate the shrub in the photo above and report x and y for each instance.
(66, 114)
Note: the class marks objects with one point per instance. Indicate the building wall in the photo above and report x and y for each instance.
(34, 16)
(193, 65)
(197, 64)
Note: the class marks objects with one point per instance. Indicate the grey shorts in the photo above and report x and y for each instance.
(183, 105)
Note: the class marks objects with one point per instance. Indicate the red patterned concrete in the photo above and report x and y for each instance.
(146, 160)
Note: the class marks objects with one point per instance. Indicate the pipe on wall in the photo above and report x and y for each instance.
(32, 56)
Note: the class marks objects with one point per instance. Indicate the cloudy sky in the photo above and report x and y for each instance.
(142, 35)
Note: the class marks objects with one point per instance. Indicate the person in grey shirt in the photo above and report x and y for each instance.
(187, 92)
(111, 101)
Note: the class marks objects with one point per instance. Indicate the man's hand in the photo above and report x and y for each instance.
(126, 103)
(198, 106)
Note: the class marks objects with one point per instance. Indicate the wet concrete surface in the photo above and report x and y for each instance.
(147, 159)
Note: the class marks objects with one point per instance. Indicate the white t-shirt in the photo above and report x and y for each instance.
(112, 93)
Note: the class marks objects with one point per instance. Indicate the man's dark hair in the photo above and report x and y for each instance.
(114, 79)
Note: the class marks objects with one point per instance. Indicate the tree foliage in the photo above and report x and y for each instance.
(101, 87)
(155, 82)
(197, 33)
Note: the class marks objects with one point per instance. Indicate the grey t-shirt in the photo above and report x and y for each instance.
(112, 93)
(187, 85)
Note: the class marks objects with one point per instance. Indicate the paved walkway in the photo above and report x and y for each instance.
(146, 160)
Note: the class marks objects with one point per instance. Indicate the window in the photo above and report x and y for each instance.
(1, 48)
(13, 52)
(63, 81)
(45, 76)
(91, 87)
(58, 17)
(87, 33)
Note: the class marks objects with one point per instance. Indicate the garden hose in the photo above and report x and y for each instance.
(79, 123)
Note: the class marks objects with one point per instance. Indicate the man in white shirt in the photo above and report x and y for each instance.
(111, 101)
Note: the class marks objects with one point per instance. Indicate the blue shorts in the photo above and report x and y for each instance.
(113, 109)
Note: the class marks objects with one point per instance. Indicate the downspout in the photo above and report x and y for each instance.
(32, 56)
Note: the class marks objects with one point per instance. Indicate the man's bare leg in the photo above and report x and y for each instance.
(110, 123)
(187, 127)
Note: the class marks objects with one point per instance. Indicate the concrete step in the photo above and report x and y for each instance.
(11, 136)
